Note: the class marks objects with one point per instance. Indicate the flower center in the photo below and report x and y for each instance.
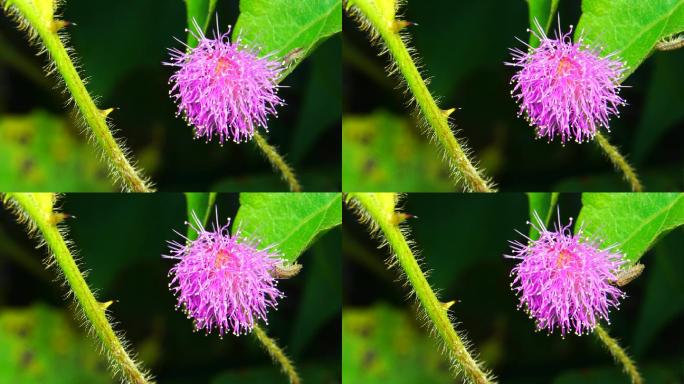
(563, 258)
(222, 65)
(565, 65)
(221, 258)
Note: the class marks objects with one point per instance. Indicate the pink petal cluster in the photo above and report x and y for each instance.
(224, 88)
(565, 281)
(566, 89)
(223, 281)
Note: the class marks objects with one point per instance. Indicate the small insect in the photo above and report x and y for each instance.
(282, 271)
(670, 43)
(627, 275)
(293, 56)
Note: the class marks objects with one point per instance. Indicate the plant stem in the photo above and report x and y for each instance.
(619, 355)
(94, 311)
(434, 116)
(278, 162)
(619, 162)
(277, 354)
(435, 310)
(95, 118)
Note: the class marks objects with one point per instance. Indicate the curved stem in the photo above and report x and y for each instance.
(383, 215)
(619, 355)
(277, 354)
(619, 162)
(278, 162)
(47, 29)
(35, 209)
(436, 118)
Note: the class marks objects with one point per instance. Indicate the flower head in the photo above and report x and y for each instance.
(566, 89)
(224, 88)
(223, 281)
(564, 280)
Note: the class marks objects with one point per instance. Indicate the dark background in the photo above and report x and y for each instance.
(120, 240)
(462, 239)
(461, 47)
(120, 46)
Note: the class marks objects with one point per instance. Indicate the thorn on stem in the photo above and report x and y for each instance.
(56, 24)
(106, 304)
(448, 112)
(448, 304)
(400, 217)
(106, 112)
(398, 25)
(58, 217)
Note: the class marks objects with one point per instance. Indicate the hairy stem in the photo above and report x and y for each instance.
(44, 219)
(619, 162)
(619, 355)
(387, 222)
(436, 118)
(278, 162)
(47, 30)
(277, 355)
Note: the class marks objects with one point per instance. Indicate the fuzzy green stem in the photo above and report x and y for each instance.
(47, 30)
(435, 310)
(277, 355)
(619, 355)
(619, 162)
(436, 118)
(93, 310)
(277, 162)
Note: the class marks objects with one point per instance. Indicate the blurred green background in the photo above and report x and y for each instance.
(462, 239)
(461, 47)
(120, 46)
(120, 239)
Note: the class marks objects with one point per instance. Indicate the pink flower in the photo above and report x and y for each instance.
(223, 281)
(566, 89)
(224, 88)
(565, 281)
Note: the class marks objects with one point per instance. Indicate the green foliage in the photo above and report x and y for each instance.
(382, 153)
(201, 204)
(38, 152)
(40, 346)
(385, 345)
(543, 11)
(200, 11)
(629, 28)
(321, 298)
(633, 221)
(270, 374)
(289, 221)
(543, 204)
(280, 26)
(660, 113)
(662, 301)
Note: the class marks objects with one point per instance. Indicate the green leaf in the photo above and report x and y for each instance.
(290, 221)
(381, 152)
(385, 345)
(200, 203)
(201, 11)
(39, 152)
(634, 221)
(542, 11)
(40, 345)
(280, 26)
(542, 203)
(629, 28)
